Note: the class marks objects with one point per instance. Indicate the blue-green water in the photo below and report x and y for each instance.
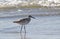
(43, 27)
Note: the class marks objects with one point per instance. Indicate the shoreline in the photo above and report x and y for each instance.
(30, 6)
(30, 14)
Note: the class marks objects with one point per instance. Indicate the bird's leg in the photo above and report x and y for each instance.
(21, 28)
(25, 32)
(25, 29)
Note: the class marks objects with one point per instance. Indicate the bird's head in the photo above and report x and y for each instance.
(31, 17)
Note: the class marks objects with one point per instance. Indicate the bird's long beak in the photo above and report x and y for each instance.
(33, 17)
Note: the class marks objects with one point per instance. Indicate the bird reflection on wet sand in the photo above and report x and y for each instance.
(23, 35)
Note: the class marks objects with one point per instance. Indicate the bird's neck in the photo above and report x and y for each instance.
(29, 17)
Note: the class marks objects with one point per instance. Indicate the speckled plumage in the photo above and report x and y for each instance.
(24, 21)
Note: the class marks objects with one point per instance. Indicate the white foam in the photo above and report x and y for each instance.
(5, 3)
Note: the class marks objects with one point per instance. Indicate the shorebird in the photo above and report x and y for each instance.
(24, 22)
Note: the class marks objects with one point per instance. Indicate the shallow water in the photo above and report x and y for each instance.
(29, 11)
(43, 27)
(47, 27)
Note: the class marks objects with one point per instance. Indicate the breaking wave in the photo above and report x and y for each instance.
(19, 3)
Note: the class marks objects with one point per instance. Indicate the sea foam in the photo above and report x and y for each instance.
(18, 3)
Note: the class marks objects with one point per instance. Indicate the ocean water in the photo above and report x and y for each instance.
(45, 26)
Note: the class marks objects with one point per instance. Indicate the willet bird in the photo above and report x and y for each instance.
(23, 22)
